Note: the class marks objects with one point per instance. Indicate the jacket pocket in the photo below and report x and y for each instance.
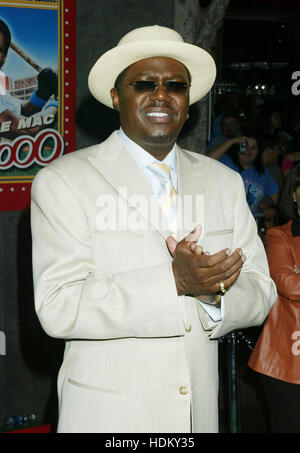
(215, 241)
(219, 232)
(120, 233)
(92, 387)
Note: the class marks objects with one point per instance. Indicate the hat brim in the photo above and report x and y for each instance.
(107, 68)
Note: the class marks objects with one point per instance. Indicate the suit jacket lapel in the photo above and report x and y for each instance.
(192, 181)
(121, 171)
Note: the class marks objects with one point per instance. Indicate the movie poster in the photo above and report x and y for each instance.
(37, 92)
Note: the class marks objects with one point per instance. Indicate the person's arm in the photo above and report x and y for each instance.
(218, 151)
(282, 267)
(76, 299)
(251, 292)
(47, 86)
(249, 299)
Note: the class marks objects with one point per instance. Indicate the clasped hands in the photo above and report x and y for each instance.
(198, 273)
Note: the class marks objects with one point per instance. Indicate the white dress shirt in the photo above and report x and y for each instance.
(143, 160)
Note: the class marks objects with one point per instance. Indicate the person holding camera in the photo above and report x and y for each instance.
(243, 155)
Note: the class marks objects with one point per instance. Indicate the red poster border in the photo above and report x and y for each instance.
(68, 66)
(15, 191)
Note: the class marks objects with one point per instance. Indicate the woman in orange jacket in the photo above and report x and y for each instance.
(277, 352)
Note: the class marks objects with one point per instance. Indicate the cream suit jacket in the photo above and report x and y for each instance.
(133, 362)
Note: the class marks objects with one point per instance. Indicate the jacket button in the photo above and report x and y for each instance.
(189, 328)
(183, 390)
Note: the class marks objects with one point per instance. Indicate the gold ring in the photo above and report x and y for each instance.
(217, 299)
(222, 287)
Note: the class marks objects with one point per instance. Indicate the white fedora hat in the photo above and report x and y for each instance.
(146, 42)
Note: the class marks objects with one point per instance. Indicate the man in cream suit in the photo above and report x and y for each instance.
(139, 297)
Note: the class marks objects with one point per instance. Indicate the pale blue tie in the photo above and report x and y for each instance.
(167, 195)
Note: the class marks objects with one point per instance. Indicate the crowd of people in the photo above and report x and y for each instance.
(262, 152)
(267, 159)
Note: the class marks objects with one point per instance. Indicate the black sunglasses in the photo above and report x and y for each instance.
(148, 86)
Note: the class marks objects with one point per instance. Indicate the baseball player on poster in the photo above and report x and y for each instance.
(12, 110)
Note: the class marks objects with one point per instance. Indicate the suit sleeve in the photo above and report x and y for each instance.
(282, 265)
(71, 302)
(249, 300)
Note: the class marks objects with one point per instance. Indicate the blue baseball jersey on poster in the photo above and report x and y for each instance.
(256, 185)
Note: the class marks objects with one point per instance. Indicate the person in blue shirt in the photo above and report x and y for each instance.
(230, 128)
(242, 154)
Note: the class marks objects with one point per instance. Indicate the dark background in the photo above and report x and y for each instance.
(253, 32)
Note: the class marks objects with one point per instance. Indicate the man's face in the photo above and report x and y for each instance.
(2, 47)
(230, 127)
(154, 119)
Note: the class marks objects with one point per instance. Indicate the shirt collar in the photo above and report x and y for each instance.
(142, 157)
